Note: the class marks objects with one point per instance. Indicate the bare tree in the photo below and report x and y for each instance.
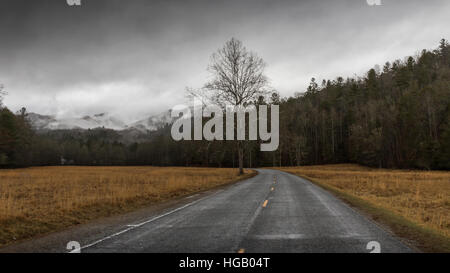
(237, 80)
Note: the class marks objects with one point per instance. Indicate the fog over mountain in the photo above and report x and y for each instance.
(101, 120)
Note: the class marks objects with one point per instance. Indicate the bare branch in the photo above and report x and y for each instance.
(237, 75)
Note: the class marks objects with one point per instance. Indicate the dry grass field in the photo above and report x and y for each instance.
(42, 199)
(423, 197)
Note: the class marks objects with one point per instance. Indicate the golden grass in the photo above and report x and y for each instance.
(422, 197)
(43, 199)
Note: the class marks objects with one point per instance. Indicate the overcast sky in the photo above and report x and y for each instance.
(132, 58)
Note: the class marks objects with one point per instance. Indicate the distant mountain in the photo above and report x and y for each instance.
(102, 120)
(41, 122)
(152, 123)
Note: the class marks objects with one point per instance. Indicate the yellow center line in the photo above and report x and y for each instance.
(241, 250)
(265, 203)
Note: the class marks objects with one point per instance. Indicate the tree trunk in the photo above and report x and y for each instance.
(332, 135)
(241, 157)
(280, 157)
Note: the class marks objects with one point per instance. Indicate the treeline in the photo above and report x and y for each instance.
(397, 116)
(15, 137)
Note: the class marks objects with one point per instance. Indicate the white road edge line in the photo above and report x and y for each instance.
(191, 196)
(131, 227)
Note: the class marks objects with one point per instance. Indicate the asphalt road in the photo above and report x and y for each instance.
(271, 212)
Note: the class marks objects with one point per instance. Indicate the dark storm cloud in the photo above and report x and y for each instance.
(134, 57)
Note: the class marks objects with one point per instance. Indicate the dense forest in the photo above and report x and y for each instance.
(397, 116)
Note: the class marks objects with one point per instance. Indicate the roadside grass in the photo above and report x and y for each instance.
(38, 200)
(414, 204)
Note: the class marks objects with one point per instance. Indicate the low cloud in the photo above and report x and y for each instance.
(137, 57)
